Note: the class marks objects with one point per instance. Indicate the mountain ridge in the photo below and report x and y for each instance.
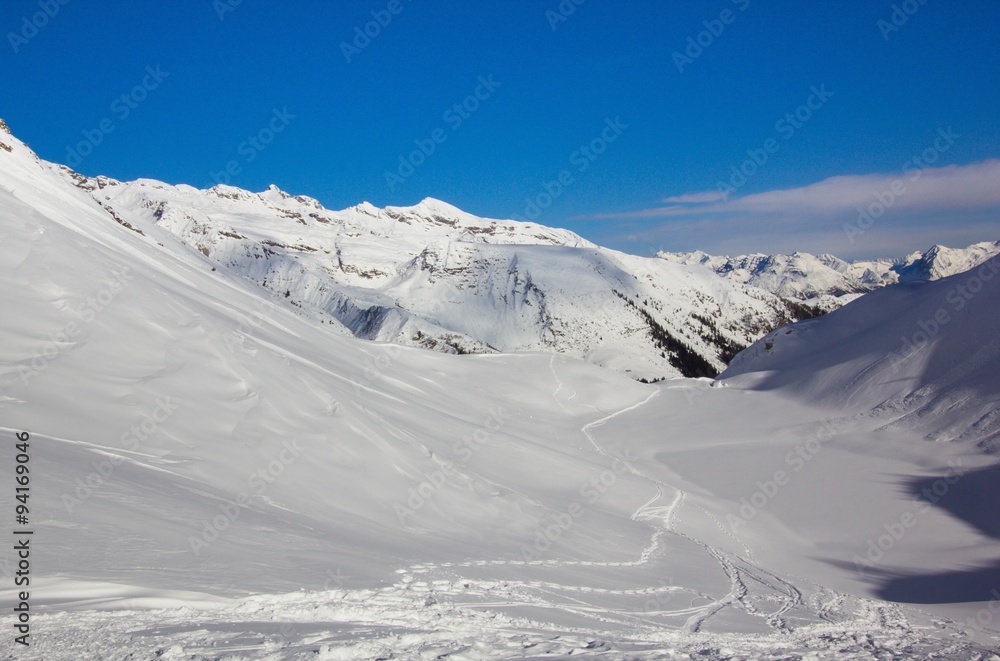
(436, 277)
(826, 281)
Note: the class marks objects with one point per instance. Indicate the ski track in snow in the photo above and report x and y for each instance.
(559, 384)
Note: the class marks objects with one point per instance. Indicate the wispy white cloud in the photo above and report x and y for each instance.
(696, 198)
(883, 210)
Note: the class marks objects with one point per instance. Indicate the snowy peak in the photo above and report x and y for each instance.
(941, 261)
(433, 207)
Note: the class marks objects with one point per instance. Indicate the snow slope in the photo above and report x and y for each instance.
(216, 474)
(435, 277)
(926, 353)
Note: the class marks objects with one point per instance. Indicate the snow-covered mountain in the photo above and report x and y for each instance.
(925, 353)
(829, 282)
(216, 474)
(435, 277)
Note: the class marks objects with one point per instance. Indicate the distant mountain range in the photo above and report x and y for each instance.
(827, 281)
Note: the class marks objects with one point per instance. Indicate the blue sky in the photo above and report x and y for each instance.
(612, 117)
